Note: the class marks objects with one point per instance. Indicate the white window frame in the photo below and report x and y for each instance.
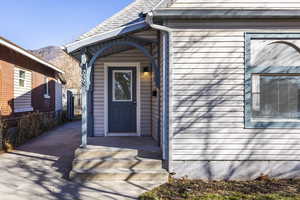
(114, 85)
(23, 79)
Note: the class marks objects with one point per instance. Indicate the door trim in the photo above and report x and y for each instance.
(138, 91)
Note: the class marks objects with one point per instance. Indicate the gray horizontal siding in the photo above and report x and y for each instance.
(22, 95)
(131, 56)
(208, 94)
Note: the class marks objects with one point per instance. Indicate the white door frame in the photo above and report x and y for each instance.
(138, 102)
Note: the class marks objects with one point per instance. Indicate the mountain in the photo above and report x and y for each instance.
(62, 60)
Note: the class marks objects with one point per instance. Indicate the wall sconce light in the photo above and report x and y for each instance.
(154, 93)
(146, 70)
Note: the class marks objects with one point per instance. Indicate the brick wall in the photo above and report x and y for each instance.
(6, 87)
(8, 60)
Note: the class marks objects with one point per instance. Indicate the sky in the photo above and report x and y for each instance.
(34, 24)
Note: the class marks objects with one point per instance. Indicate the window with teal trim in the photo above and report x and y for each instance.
(272, 80)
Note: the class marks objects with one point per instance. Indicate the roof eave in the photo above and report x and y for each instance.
(75, 46)
(24, 52)
(223, 13)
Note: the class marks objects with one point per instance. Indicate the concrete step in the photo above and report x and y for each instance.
(83, 154)
(118, 164)
(119, 190)
(103, 148)
(119, 174)
(113, 163)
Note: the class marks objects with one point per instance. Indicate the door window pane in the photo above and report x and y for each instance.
(275, 97)
(122, 86)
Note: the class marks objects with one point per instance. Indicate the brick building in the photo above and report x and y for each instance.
(27, 82)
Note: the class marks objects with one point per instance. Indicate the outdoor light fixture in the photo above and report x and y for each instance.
(146, 69)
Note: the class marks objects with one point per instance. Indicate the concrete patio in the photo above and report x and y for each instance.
(38, 171)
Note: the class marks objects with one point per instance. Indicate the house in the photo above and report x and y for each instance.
(215, 83)
(27, 82)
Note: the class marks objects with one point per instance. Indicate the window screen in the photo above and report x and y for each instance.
(275, 97)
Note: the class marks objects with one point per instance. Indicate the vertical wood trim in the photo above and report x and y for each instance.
(164, 138)
(84, 118)
(170, 99)
(85, 76)
(167, 105)
(158, 89)
(106, 98)
(138, 92)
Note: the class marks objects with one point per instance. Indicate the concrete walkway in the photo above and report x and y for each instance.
(38, 171)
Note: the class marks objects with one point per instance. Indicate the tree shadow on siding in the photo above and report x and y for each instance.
(208, 105)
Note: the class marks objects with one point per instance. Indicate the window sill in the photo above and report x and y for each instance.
(46, 96)
(272, 124)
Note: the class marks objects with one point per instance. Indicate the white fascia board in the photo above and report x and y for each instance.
(29, 55)
(104, 36)
(192, 13)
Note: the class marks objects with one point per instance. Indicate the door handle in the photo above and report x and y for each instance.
(134, 102)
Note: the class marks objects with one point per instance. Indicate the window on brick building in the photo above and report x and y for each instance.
(22, 78)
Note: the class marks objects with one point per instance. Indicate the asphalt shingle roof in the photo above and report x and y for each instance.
(126, 16)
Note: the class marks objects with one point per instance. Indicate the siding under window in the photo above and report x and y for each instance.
(208, 95)
(22, 90)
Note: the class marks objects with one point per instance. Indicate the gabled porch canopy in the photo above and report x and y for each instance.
(118, 32)
(90, 49)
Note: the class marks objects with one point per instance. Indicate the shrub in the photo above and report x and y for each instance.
(29, 126)
(2, 129)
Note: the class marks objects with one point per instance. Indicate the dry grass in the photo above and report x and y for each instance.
(261, 189)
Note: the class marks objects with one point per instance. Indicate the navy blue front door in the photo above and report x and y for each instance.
(122, 105)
